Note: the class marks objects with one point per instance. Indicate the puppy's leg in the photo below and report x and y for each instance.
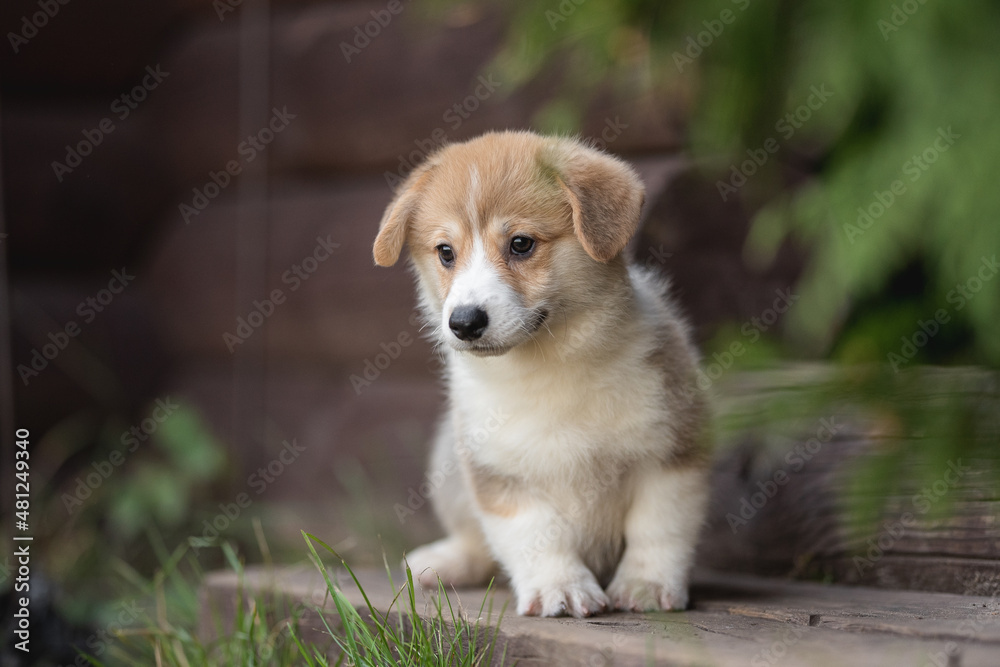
(457, 560)
(661, 533)
(538, 549)
(462, 558)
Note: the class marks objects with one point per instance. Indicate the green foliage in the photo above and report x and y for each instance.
(114, 495)
(266, 629)
(916, 425)
(153, 481)
(404, 636)
(934, 74)
(163, 485)
(896, 79)
(260, 633)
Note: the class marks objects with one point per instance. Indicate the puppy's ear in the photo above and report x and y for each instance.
(396, 219)
(605, 195)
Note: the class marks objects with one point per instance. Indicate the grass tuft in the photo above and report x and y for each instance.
(266, 630)
(402, 635)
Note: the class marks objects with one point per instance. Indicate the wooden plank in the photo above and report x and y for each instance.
(734, 620)
(939, 525)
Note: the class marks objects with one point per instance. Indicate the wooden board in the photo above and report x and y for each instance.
(937, 525)
(734, 620)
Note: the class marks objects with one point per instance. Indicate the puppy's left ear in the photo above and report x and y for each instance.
(396, 219)
(605, 194)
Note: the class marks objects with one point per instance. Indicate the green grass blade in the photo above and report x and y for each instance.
(302, 649)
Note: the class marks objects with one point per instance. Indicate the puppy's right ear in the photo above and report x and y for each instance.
(396, 219)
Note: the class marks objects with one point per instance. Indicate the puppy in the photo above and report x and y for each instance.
(572, 446)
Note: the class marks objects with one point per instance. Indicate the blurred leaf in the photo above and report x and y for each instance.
(907, 98)
(190, 444)
(559, 117)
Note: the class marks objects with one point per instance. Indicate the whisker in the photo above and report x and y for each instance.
(548, 328)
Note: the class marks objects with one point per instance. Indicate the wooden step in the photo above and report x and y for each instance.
(733, 620)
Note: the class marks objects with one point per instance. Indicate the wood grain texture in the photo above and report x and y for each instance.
(936, 526)
(733, 620)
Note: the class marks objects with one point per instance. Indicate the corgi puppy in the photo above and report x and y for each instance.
(572, 449)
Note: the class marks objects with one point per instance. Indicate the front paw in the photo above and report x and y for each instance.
(636, 594)
(453, 561)
(579, 597)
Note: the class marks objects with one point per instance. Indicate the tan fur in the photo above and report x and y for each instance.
(574, 416)
(605, 199)
(396, 220)
(494, 493)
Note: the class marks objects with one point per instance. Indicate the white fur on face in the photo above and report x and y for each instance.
(478, 284)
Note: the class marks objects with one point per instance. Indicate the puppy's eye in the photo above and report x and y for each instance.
(446, 254)
(521, 245)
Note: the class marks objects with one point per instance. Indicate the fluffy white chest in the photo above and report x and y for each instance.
(553, 419)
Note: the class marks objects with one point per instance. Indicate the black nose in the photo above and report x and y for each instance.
(468, 322)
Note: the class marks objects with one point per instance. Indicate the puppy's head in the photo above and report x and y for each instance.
(509, 230)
